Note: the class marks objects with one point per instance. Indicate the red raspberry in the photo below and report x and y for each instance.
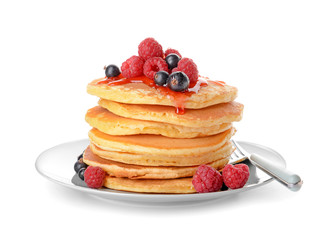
(187, 66)
(132, 67)
(149, 48)
(153, 65)
(235, 176)
(207, 179)
(170, 50)
(94, 177)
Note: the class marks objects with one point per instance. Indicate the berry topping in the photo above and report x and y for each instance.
(153, 65)
(94, 177)
(172, 60)
(161, 78)
(235, 176)
(81, 173)
(178, 82)
(187, 66)
(170, 50)
(112, 71)
(132, 67)
(149, 48)
(207, 179)
(79, 165)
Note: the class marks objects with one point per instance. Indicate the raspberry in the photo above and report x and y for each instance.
(207, 179)
(94, 177)
(235, 176)
(187, 66)
(153, 65)
(132, 67)
(149, 48)
(170, 50)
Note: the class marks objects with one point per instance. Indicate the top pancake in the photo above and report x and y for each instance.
(140, 93)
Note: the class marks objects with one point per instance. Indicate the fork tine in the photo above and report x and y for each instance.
(237, 152)
(235, 155)
(239, 148)
(239, 155)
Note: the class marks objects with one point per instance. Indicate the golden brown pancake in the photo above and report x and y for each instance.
(140, 93)
(180, 185)
(110, 123)
(160, 160)
(132, 171)
(206, 117)
(159, 145)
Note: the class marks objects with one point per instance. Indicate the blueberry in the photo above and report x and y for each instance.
(112, 71)
(224, 187)
(161, 77)
(178, 82)
(79, 165)
(81, 173)
(80, 156)
(172, 60)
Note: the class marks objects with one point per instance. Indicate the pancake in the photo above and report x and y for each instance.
(206, 117)
(160, 160)
(109, 123)
(140, 93)
(132, 171)
(180, 185)
(159, 145)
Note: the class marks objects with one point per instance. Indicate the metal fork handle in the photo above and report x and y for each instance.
(291, 180)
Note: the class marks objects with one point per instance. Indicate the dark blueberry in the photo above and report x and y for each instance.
(80, 156)
(178, 81)
(112, 71)
(172, 60)
(81, 173)
(161, 77)
(79, 165)
(224, 187)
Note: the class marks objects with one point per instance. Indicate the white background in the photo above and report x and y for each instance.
(280, 54)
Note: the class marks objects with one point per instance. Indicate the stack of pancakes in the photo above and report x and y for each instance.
(144, 146)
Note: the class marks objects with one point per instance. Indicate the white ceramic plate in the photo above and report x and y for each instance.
(56, 164)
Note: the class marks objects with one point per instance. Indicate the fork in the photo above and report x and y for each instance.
(290, 180)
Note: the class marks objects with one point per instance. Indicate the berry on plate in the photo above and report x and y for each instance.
(132, 67)
(79, 165)
(224, 187)
(178, 82)
(149, 48)
(94, 177)
(207, 179)
(235, 176)
(80, 156)
(81, 173)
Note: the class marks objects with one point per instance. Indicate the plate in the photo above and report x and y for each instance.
(56, 164)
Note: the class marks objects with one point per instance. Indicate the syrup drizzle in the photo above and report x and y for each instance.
(179, 98)
(221, 83)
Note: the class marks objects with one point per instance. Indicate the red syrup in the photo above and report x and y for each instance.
(179, 98)
(221, 83)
